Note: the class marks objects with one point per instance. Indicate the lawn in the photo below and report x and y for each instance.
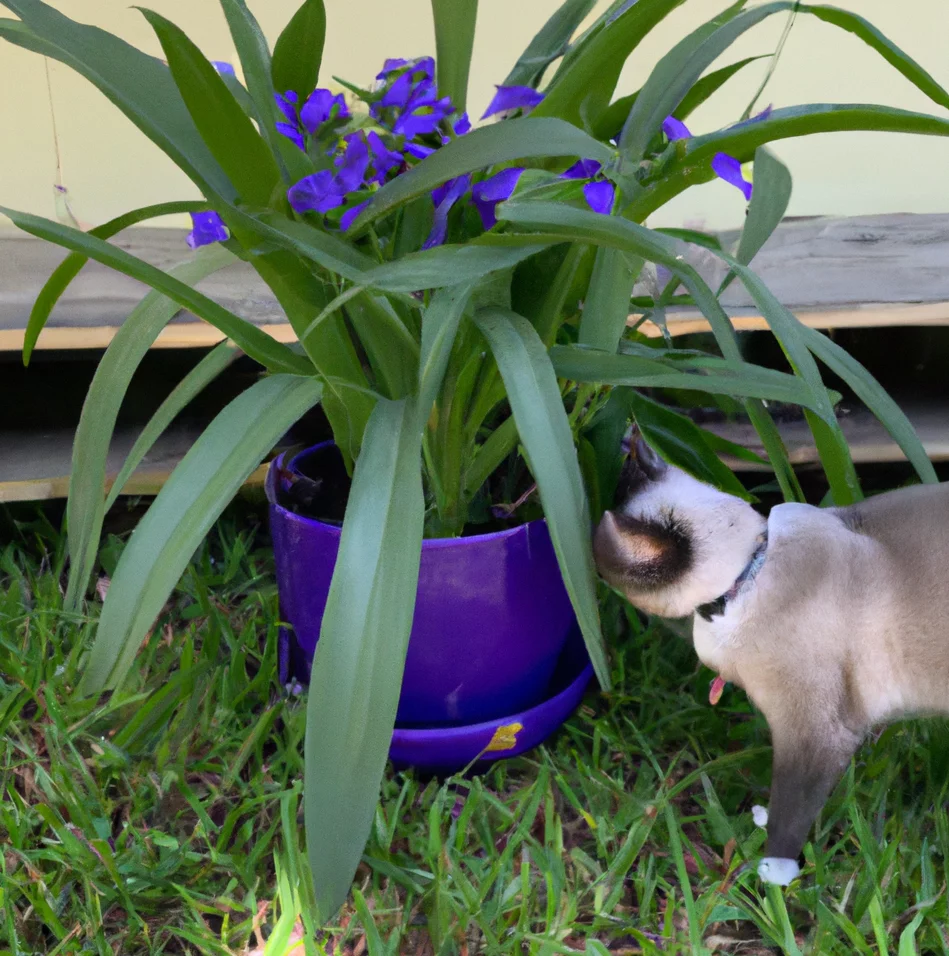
(163, 820)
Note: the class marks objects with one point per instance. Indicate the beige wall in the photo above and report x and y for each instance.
(109, 167)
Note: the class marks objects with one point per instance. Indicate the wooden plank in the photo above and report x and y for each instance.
(36, 466)
(857, 272)
(861, 316)
(868, 440)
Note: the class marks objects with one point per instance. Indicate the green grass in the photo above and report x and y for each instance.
(160, 821)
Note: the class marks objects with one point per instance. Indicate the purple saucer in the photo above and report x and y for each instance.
(446, 750)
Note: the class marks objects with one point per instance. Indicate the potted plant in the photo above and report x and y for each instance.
(460, 299)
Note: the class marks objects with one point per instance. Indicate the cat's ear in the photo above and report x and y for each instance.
(641, 554)
(642, 465)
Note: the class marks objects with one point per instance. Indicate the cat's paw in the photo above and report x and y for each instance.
(759, 815)
(778, 870)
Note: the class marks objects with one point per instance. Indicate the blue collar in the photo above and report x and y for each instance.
(716, 607)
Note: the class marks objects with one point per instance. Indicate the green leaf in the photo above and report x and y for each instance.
(890, 52)
(254, 54)
(439, 326)
(360, 657)
(681, 443)
(705, 87)
(164, 541)
(140, 85)
(488, 146)
(676, 73)
(225, 127)
(547, 441)
(132, 340)
(606, 306)
(71, 266)
(769, 203)
(454, 40)
(872, 394)
(209, 368)
(550, 42)
(694, 165)
(392, 352)
(584, 84)
(831, 445)
(253, 341)
(298, 52)
(722, 378)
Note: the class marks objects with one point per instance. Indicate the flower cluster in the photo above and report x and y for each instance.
(407, 122)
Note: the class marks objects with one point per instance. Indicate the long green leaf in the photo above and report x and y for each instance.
(676, 73)
(220, 358)
(163, 543)
(360, 657)
(681, 442)
(830, 442)
(590, 227)
(548, 447)
(866, 31)
(583, 86)
(872, 394)
(606, 307)
(257, 344)
(392, 351)
(454, 41)
(254, 54)
(140, 85)
(132, 340)
(490, 145)
(440, 323)
(694, 166)
(769, 203)
(72, 265)
(225, 127)
(298, 51)
(721, 378)
(548, 43)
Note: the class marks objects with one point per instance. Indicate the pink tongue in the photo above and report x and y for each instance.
(715, 690)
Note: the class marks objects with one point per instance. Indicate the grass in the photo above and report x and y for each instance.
(167, 819)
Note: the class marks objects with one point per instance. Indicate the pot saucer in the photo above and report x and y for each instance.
(447, 750)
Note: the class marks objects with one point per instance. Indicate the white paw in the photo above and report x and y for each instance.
(778, 870)
(759, 815)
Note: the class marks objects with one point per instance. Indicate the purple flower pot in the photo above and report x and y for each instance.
(492, 616)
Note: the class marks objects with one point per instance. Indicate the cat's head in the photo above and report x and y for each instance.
(672, 543)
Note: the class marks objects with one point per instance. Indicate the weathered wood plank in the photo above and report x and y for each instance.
(862, 271)
(36, 466)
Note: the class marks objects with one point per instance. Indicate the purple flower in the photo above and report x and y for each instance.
(728, 168)
(675, 129)
(321, 105)
(287, 104)
(418, 150)
(390, 66)
(582, 169)
(487, 194)
(512, 98)
(352, 164)
(599, 196)
(223, 67)
(422, 115)
(292, 133)
(318, 192)
(444, 198)
(383, 158)
(207, 227)
(725, 167)
(462, 125)
(398, 94)
(351, 214)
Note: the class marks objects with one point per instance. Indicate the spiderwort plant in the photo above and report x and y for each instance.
(460, 296)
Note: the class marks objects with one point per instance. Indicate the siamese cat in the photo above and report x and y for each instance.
(831, 619)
